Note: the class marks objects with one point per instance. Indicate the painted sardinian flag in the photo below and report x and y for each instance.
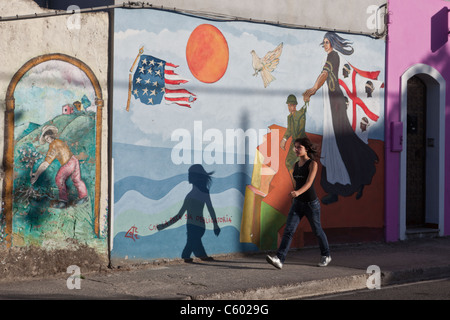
(363, 89)
(155, 80)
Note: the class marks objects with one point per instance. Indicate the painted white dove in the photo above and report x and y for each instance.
(267, 64)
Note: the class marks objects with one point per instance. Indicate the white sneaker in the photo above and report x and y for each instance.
(275, 261)
(324, 261)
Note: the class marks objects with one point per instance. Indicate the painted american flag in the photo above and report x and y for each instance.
(155, 80)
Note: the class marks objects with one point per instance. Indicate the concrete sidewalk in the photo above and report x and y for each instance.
(250, 276)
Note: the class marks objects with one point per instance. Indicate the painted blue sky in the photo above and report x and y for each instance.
(238, 99)
(47, 87)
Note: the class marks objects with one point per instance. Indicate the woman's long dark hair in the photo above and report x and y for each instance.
(199, 177)
(338, 43)
(310, 148)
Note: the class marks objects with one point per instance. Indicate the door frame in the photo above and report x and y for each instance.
(436, 86)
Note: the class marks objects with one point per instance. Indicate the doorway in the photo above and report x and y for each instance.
(422, 158)
(416, 153)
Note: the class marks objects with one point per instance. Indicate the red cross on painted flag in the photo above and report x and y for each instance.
(354, 93)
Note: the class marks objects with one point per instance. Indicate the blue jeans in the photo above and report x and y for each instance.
(312, 212)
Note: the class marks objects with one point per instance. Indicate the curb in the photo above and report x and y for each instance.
(293, 291)
(414, 275)
(315, 288)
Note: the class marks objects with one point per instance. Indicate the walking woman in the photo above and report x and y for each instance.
(305, 203)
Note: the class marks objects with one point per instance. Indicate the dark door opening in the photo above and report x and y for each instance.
(416, 153)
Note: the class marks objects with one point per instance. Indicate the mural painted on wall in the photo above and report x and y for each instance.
(209, 173)
(54, 157)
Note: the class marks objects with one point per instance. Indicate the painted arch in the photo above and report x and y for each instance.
(9, 149)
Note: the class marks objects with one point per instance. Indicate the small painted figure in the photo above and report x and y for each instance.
(296, 121)
(70, 167)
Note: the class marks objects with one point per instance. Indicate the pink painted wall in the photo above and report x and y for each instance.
(411, 41)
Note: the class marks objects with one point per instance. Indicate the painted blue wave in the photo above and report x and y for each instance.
(157, 189)
(170, 244)
(135, 160)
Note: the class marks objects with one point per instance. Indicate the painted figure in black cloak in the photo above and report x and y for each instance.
(348, 164)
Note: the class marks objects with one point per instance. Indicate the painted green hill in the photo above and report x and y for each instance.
(33, 214)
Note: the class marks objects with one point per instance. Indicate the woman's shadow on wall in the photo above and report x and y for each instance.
(193, 206)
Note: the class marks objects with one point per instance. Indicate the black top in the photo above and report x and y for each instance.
(300, 175)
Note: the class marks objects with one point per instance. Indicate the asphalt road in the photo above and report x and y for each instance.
(424, 290)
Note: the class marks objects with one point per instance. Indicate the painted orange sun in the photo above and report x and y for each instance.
(207, 53)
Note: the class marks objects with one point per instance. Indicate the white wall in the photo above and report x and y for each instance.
(354, 15)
